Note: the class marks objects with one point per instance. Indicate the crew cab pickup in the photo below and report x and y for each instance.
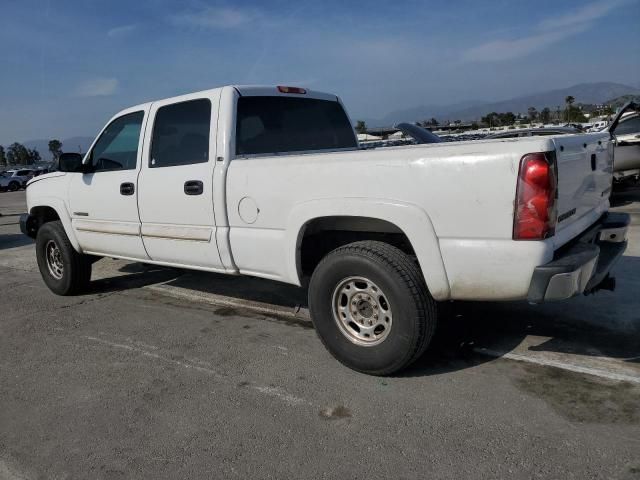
(270, 182)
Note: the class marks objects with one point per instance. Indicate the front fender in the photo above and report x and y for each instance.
(411, 219)
(63, 213)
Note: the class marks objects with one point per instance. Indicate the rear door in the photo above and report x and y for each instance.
(176, 182)
(103, 204)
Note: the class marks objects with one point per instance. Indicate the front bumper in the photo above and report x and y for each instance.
(584, 264)
(27, 224)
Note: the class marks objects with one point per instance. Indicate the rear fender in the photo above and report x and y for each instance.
(411, 219)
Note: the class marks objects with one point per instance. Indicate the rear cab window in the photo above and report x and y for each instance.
(275, 124)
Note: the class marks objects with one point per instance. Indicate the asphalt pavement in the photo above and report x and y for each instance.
(162, 373)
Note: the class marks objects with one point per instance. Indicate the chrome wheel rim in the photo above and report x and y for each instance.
(362, 311)
(54, 260)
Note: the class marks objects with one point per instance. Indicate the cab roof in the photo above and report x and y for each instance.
(243, 90)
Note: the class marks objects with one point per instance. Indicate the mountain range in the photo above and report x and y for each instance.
(587, 93)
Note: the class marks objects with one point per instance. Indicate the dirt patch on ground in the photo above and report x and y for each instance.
(582, 398)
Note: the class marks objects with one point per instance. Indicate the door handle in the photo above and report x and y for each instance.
(193, 187)
(127, 188)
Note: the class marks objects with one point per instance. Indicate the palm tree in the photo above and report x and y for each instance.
(361, 126)
(569, 101)
(55, 147)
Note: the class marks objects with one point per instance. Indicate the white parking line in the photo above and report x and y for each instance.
(303, 314)
(275, 392)
(565, 366)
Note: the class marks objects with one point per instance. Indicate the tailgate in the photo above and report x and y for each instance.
(585, 169)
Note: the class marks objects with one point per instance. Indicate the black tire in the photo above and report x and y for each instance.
(76, 268)
(399, 278)
(13, 186)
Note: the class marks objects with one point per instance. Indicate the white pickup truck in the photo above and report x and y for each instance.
(270, 182)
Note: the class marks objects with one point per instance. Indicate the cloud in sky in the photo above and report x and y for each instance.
(121, 31)
(499, 50)
(378, 59)
(97, 87)
(585, 15)
(215, 18)
(549, 31)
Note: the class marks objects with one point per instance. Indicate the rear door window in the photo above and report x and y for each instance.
(284, 124)
(181, 134)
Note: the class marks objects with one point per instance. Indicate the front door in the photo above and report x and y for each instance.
(176, 183)
(103, 203)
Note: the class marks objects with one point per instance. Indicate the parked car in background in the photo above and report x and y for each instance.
(40, 171)
(598, 126)
(13, 180)
(625, 129)
(28, 174)
(25, 174)
(8, 183)
(537, 132)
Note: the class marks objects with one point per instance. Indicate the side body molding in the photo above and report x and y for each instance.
(411, 219)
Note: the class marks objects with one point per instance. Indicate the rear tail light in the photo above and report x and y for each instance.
(297, 90)
(535, 207)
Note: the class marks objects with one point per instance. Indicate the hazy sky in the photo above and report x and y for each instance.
(67, 66)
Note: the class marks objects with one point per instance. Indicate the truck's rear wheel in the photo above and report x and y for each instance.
(65, 271)
(371, 307)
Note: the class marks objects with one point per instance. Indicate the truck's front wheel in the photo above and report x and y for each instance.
(371, 307)
(65, 271)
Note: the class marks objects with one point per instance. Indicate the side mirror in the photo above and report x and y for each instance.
(70, 162)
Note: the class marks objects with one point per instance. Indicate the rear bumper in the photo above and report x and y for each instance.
(584, 264)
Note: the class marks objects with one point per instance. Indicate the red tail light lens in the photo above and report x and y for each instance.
(535, 208)
(297, 90)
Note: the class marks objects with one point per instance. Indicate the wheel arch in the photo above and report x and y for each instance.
(51, 209)
(368, 217)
